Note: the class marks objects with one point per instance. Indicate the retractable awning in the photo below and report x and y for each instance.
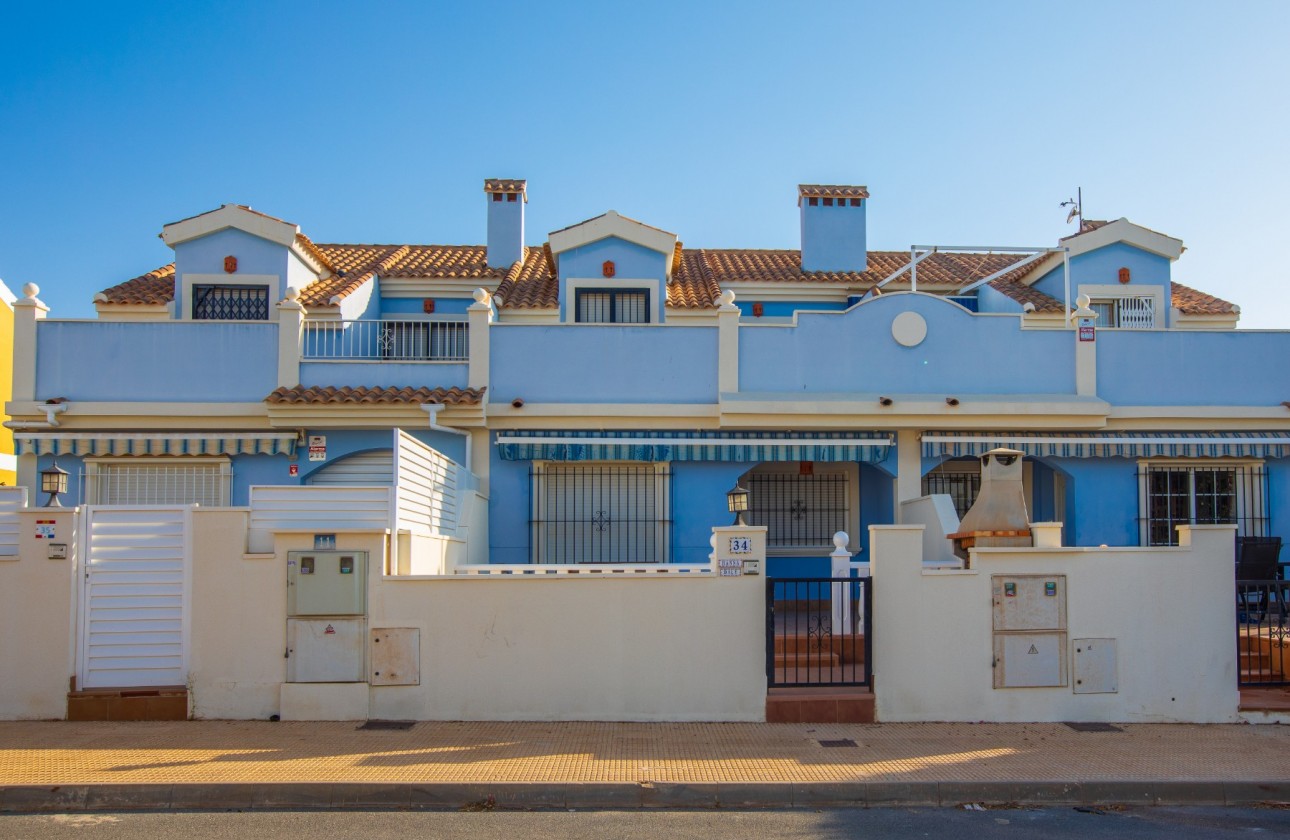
(155, 443)
(1112, 444)
(751, 447)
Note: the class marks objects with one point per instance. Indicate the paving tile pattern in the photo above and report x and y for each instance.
(204, 752)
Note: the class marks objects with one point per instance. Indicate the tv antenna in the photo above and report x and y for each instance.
(1076, 206)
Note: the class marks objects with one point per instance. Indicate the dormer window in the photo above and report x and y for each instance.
(219, 302)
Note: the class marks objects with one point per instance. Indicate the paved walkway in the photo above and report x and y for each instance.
(575, 764)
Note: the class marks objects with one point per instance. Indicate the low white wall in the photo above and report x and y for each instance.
(568, 648)
(1170, 610)
(238, 624)
(37, 620)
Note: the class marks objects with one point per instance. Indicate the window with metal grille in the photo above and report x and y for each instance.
(420, 340)
(961, 485)
(230, 303)
(1170, 495)
(1130, 313)
(604, 306)
(151, 482)
(799, 510)
(601, 513)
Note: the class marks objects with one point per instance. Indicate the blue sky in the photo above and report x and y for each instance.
(378, 122)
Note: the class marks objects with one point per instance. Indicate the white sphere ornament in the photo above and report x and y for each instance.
(293, 294)
(30, 290)
(909, 329)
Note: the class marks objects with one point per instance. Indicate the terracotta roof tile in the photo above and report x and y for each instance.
(1191, 302)
(943, 269)
(1086, 226)
(315, 395)
(353, 265)
(505, 185)
(831, 191)
(459, 261)
(693, 286)
(1023, 294)
(157, 286)
(307, 245)
(531, 283)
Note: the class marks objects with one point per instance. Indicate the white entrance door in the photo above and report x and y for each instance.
(134, 597)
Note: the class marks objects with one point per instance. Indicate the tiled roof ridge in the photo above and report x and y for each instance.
(153, 287)
(374, 395)
(311, 249)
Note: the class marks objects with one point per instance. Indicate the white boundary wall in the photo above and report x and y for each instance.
(1170, 610)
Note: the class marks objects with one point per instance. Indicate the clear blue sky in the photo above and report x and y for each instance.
(364, 122)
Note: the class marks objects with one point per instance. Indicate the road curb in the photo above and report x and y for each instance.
(521, 796)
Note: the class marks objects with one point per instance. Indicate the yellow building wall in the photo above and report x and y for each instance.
(8, 465)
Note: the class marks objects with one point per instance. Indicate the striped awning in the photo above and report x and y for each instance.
(155, 443)
(750, 447)
(1112, 444)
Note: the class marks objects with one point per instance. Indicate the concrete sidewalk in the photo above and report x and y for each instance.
(243, 764)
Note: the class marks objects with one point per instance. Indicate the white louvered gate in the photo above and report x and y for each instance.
(134, 596)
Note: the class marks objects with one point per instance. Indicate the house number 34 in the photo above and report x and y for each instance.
(740, 545)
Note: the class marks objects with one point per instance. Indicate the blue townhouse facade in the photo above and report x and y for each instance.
(602, 387)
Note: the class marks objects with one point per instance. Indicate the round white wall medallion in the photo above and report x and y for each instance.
(909, 329)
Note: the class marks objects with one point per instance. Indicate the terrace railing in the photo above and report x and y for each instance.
(386, 341)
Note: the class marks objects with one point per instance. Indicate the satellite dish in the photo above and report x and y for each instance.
(1070, 217)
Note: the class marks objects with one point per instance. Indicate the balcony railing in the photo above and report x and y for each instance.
(386, 341)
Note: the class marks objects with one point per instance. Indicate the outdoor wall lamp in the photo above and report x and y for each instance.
(737, 502)
(53, 481)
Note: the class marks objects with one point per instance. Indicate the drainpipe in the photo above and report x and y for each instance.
(51, 409)
(433, 410)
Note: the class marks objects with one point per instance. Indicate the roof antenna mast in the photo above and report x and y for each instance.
(1077, 208)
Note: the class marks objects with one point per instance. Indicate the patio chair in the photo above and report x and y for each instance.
(1257, 564)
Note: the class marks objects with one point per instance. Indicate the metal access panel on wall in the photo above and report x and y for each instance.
(1095, 666)
(396, 656)
(1029, 619)
(324, 650)
(327, 583)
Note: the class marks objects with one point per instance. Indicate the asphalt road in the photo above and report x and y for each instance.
(896, 823)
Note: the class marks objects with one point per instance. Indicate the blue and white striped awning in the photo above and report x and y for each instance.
(1112, 444)
(750, 447)
(155, 443)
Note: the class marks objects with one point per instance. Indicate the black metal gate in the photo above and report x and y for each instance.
(1262, 632)
(819, 631)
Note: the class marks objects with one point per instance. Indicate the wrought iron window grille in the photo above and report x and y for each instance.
(218, 302)
(1170, 495)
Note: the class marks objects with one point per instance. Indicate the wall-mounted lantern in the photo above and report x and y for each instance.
(53, 481)
(737, 502)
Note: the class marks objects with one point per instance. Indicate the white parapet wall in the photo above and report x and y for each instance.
(1169, 610)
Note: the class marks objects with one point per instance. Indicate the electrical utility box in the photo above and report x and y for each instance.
(326, 583)
(1029, 618)
(325, 650)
